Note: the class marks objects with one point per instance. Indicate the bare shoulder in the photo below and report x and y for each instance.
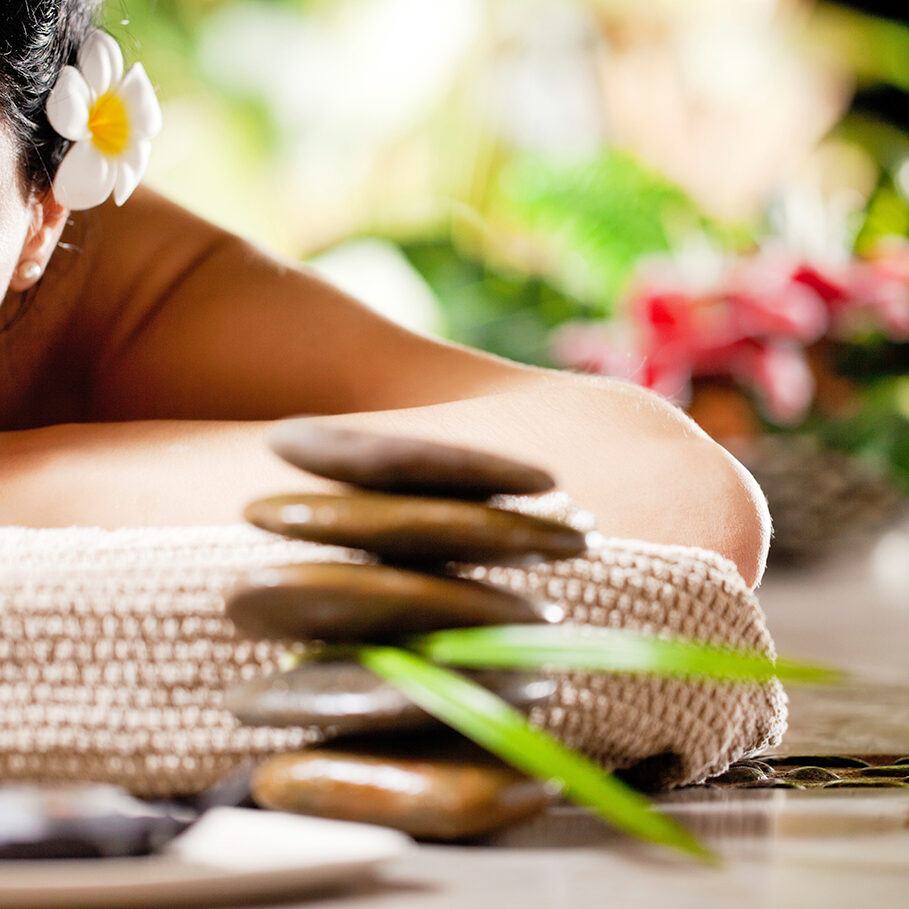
(139, 252)
(637, 462)
(198, 323)
(706, 497)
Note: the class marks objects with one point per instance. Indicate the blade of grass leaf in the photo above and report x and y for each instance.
(583, 648)
(496, 726)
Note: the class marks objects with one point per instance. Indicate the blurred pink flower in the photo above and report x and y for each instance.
(770, 301)
(702, 314)
(879, 286)
(864, 294)
(602, 348)
(779, 373)
(891, 256)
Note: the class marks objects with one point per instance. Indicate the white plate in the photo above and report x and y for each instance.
(231, 854)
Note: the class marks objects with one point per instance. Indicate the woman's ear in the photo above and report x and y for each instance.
(48, 221)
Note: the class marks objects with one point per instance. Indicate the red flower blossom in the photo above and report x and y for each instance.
(748, 318)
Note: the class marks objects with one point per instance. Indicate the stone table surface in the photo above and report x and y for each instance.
(782, 847)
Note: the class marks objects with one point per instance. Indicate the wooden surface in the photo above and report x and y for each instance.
(853, 613)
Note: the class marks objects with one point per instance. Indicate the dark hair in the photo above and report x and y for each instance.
(37, 39)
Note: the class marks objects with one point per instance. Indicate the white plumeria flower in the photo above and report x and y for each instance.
(111, 119)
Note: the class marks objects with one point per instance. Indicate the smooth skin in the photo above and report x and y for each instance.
(140, 384)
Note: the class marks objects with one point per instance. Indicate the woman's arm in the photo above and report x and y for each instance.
(187, 322)
(198, 324)
(634, 461)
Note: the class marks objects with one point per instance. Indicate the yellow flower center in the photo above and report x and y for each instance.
(109, 125)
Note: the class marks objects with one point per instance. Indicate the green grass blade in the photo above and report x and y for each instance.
(583, 648)
(496, 726)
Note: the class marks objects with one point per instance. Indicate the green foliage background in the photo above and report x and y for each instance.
(584, 223)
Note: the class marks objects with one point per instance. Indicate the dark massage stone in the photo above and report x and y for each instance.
(83, 821)
(430, 798)
(410, 529)
(395, 464)
(357, 603)
(344, 698)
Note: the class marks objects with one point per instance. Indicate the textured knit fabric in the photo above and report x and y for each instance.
(115, 654)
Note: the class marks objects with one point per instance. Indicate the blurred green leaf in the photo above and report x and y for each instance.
(583, 648)
(887, 215)
(885, 143)
(160, 33)
(874, 48)
(599, 217)
(487, 720)
(508, 314)
(878, 431)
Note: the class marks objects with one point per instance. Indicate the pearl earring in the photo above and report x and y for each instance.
(29, 271)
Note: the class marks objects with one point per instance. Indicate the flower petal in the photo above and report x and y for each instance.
(130, 169)
(781, 376)
(672, 381)
(101, 62)
(85, 177)
(141, 103)
(68, 105)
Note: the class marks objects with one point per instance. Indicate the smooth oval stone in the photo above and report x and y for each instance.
(337, 602)
(431, 799)
(83, 821)
(344, 698)
(395, 464)
(410, 529)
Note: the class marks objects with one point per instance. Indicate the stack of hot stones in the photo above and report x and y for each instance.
(418, 507)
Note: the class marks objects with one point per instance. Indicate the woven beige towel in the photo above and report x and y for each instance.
(114, 655)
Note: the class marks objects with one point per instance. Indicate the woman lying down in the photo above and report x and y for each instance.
(145, 351)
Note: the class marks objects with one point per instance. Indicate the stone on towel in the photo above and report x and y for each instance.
(356, 603)
(344, 698)
(411, 529)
